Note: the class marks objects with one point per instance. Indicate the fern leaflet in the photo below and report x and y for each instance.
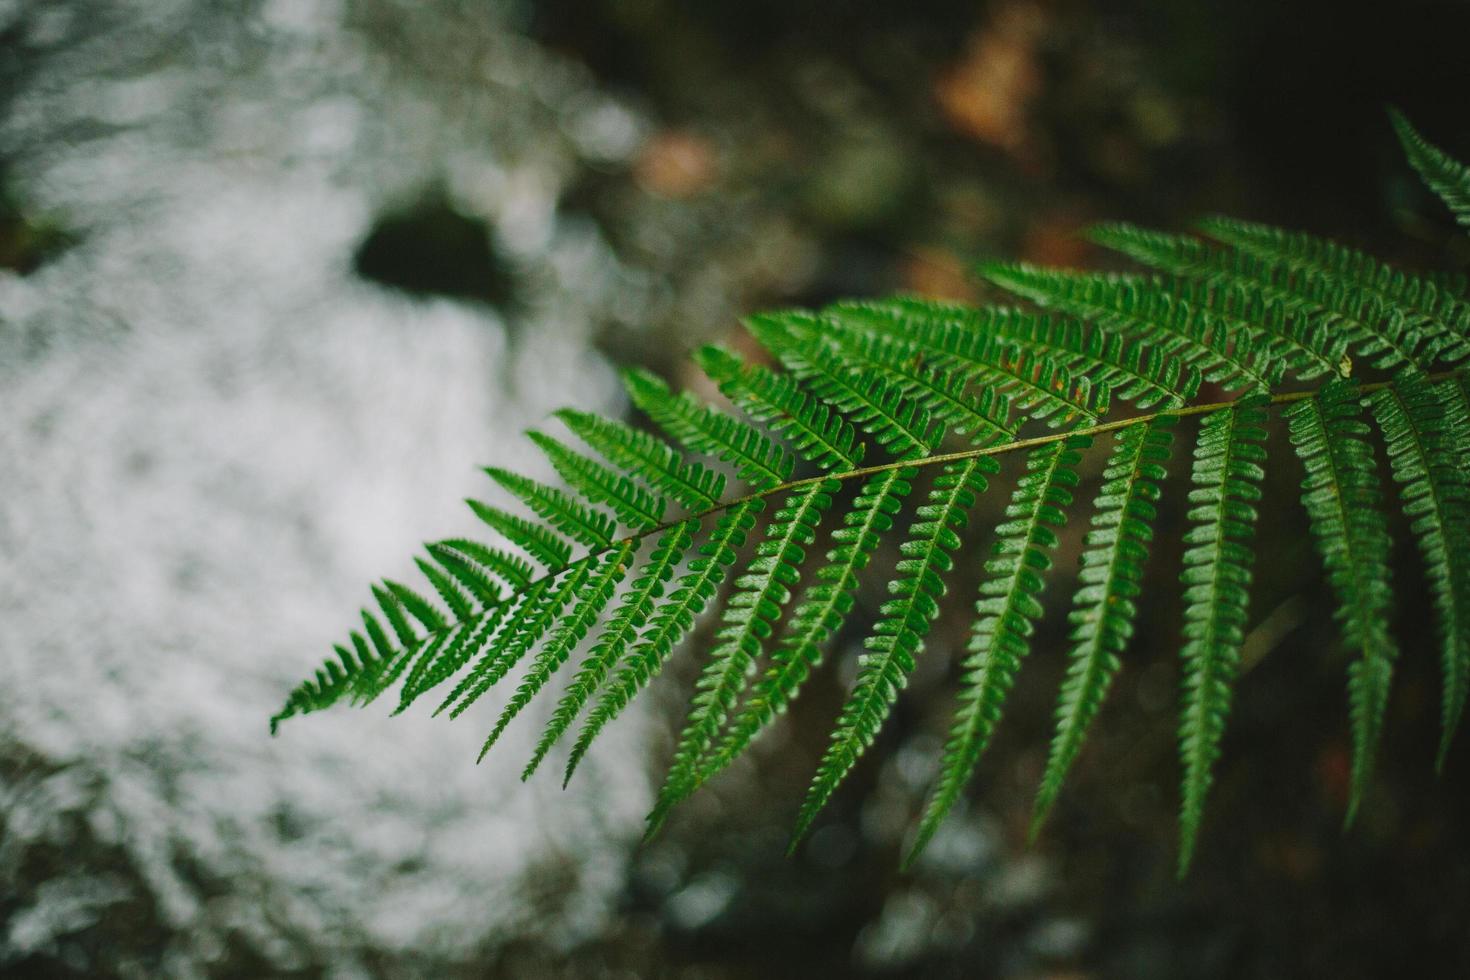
(1228, 460)
(1008, 608)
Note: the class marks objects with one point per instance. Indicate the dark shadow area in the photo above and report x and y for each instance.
(430, 249)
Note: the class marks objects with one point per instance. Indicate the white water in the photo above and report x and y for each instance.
(213, 437)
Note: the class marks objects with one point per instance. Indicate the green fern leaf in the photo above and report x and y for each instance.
(819, 435)
(592, 598)
(330, 683)
(472, 565)
(1342, 500)
(1247, 310)
(622, 628)
(635, 506)
(564, 512)
(1446, 315)
(899, 424)
(460, 606)
(1134, 306)
(751, 614)
(1306, 345)
(461, 645)
(1104, 607)
(1228, 460)
(757, 460)
(1380, 335)
(395, 600)
(1445, 175)
(943, 393)
(649, 458)
(1008, 609)
(1422, 424)
(1035, 383)
(517, 637)
(669, 623)
(541, 543)
(503, 625)
(899, 635)
(819, 613)
(1129, 369)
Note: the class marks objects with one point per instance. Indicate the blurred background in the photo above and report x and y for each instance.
(277, 275)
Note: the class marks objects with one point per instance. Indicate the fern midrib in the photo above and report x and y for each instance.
(938, 459)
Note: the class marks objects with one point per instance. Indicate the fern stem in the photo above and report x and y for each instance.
(1460, 375)
(939, 459)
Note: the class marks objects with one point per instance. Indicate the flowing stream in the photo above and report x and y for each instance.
(215, 434)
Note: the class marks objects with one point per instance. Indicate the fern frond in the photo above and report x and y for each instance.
(477, 567)
(757, 460)
(1228, 460)
(1008, 608)
(1103, 609)
(1422, 426)
(1247, 310)
(898, 637)
(395, 601)
(1444, 313)
(592, 597)
(518, 636)
(819, 613)
(750, 616)
(899, 424)
(1446, 176)
(622, 628)
(460, 606)
(1382, 335)
(1134, 306)
(669, 623)
(1342, 498)
(819, 435)
(564, 512)
(1036, 384)
(540, 542)
(635, 506)
(1131, 369)
(464, 643)
(332, 681)
(649, 458)
(1307, 346)
(943, 392)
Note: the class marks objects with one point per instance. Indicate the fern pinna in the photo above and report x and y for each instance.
(877, 402)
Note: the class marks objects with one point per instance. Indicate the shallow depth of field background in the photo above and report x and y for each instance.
(277, 277)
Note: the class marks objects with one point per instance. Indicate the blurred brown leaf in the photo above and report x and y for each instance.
(676, 164)
(988, 93)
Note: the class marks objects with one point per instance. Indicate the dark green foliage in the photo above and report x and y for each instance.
(1228, 458)
(939, 391)
(1111, 579)
(820, 612)
(1426, 429)
(904, 621)
(622, 628)
(750, 617)
(1343, 502)
(670, 622)
(1447, 177)
(1008, 608)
